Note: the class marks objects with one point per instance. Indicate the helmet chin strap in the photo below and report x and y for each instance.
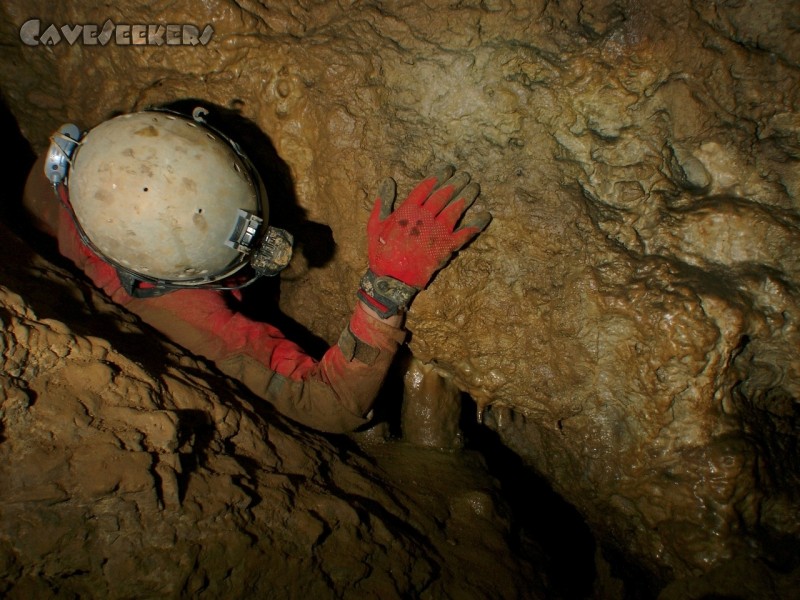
(138, 288)
(133, 287)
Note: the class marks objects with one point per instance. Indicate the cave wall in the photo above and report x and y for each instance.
(628, 322)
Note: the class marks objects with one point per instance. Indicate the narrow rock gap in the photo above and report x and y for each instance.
(542, 521)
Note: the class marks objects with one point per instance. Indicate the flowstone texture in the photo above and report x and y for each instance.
(629, 321)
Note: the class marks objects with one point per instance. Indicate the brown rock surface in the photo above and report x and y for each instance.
(628, 323)
(144, 474)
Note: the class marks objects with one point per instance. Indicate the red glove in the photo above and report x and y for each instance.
(407, 246)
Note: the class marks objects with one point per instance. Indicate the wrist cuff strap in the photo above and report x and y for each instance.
(391, 293)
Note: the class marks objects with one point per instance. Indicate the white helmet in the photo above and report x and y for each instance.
(166, 199)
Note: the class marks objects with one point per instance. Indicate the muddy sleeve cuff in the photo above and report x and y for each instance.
(337, 394)
(334, 394)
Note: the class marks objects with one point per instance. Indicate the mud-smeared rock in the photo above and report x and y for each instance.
(628, 323)
(130, 469)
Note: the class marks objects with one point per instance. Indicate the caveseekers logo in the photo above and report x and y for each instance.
(32, 34)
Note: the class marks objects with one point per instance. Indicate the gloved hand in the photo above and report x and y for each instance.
(410, 243)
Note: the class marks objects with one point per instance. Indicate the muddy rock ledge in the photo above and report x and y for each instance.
(131, 470)
(628, 324)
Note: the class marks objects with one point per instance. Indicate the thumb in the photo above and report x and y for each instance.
(387, 194)
(384, 204)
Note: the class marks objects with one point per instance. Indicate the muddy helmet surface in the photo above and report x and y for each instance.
(161, 196)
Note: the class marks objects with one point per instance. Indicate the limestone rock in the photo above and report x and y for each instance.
(146, 474)
(628, 322)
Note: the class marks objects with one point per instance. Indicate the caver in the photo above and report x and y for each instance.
(168, 216)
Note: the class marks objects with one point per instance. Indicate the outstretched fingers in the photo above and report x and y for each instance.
(471, 228)
(426, 187)
(442, 195)
(453, 212)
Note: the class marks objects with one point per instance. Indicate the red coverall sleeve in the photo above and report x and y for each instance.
(334, 394)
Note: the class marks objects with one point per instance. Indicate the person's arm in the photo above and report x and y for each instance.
(334, 394)
(406, 247)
